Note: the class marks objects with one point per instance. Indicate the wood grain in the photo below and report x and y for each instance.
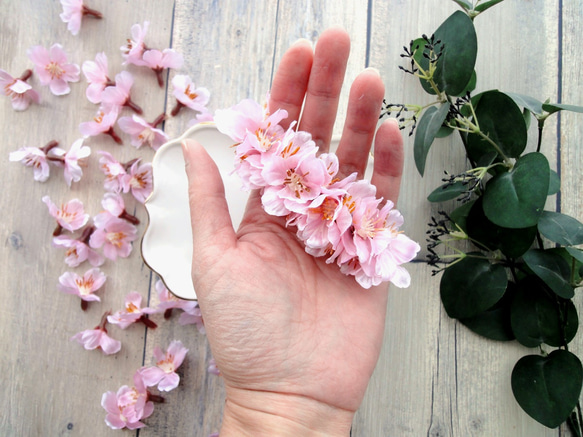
(434, 376)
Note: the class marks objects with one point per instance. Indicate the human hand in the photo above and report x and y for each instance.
(295, 339)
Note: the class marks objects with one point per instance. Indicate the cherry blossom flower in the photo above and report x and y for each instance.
(98, 338)
(134, 48)
(114, 205)
(73, 12)
(53, 69)
(83, 286)
(21, 93)
(192, 316)
(97, 75)
(102, 123)
(114, 97)
(167, 301)
(127, 407)
(164, 373)
(70, 216)
(113, 170)
(138, 180)
(143, 132)
(201, 118)
(114, 235)
(35, 157)
(132, 312)
(158, 61)
(212, 368)
(72, 160)
(78, 250)
(187, 95)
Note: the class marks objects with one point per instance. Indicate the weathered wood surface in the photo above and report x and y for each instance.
(434, 377)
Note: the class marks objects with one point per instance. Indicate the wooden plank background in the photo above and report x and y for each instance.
(434, 377)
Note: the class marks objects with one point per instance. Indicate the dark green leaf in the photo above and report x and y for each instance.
(537, 317)
(555, 107)
(501, 120)
(527, 102)
(427, 129)
(447, 192)
(527, 117)
(511, 242)
(460, 215)
(464, 4)
(486, 5)
(548, 388)
(554, 183)
(575, 253)
(516, 199)
(471, 286)
(561, 228)
(471, 86)
(494, 323)
(552, 269)
(459, 47)
(444, 131)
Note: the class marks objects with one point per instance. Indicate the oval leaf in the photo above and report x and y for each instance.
(536, 316)
(427, 129)
(447, 192)
(533, 105)
(552, 269)
(516, 199)
(554, 183)
(548, 388)
(555, 107)
(501, 120)
(561, 228)
(471, 286)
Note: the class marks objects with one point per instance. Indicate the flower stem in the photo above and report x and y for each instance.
(26, 75)
(113, 135)
(177, 108)
(91, 12)
(133, 106)
(158, 120)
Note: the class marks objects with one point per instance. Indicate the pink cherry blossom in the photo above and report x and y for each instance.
(192, 316)
(72, 160)
(70, 216)
(187, 95)
(115, 236)
(53, 69)
(97, 75)
(132, 312)
(134, 48)
(98, 338)
(114, 97)
(164, 372)
(83, 286)
(127, 407)
(78, 250)
(113, 170)
(142, 132)
(21, 93)
(138, 180)
(114, 205)
(33, 157)
(73, 12)
(213, 369)
(102, 123)
(167, 301)
(158, 61)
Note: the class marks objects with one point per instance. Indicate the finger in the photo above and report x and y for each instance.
(388, 161)
(364, 106)
(209, 213)
(291, 81)
(324, 86)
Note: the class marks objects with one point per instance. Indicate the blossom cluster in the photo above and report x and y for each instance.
(340, 218)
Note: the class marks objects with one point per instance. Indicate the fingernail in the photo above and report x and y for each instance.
(302, 41)
(374, 70)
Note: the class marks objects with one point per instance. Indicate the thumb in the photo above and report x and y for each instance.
(209, 212)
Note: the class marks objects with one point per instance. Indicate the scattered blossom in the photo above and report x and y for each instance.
(53, 68)
(97, 75)
(113, 170)
(98, 338)
(212, 368)
(127, 407)
(83, 286)
(138, 180)
(114, 97)
(188, 95)
(114, 205)
(72, 160)
(134, 48)
(70, 216)
(158, 61)
(114, 235)
(102, 123)
(167, 301)
(192, 315)
(21, 93)
(164, 373)
(142, 132)
(132, 312)
(78, 250)
(73, 12)
(34, 157)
